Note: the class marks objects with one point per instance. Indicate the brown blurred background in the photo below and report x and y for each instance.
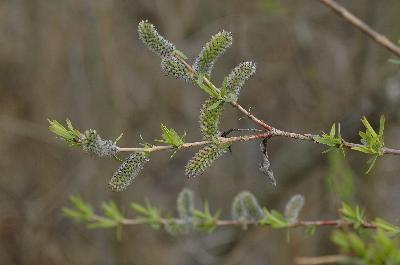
(83, 60)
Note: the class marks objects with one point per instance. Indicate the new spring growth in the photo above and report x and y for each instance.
(90, 140)
(156, 43)
(213, 49)
(210, 114)
(127, 172)
(293, 208)
(203, 159)
(238, 77)
(185, 208)
(173, 67)
(245, 208)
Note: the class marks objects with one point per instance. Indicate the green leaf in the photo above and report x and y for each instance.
(204, 220)
(310, 230)
(180, 54)
(394, 61)
(151, 214)
(104, 223)
(224, 87)
(372, 143)
(371, 162)
(111, 210)
(386, 226)
(171, 137)
(274, 218)
(352, 215)
(333, 131)
(333, 139)
(207, 87)
(139, 208)
(69, 134)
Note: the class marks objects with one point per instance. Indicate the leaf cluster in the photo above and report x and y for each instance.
(171, 137)
(69, 134)
(368, 248)
(333, 139)
(372, 142)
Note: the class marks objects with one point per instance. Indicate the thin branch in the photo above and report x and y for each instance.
(338, 223)
(358, 23)
(245, 138)
(329, 259)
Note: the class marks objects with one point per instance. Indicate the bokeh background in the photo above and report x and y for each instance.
(83, 60)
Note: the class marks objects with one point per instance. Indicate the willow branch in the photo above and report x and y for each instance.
(338, 223)
(358, 23)
(244, 138)
(329, 259)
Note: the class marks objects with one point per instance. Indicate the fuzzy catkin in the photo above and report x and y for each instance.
(245, 207)
(203, 159)
(204, 62)
(209, 119)
(238, 77)
(127, 172)
(93, 144)
(185, 204)
(173, 67)
(156, 43)
(293, 208)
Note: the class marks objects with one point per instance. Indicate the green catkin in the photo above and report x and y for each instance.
(173, 67)
(127, 172)
(185, 204)
(156, 43)
(293, 208)
(246, 208)
(204, 63)
(93, 144)
(238, 77)
(209, 119)
(203, 159)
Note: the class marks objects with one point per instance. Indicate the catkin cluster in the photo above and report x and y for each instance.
(93, 144)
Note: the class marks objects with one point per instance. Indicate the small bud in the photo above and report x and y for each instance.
(93, 144)
(246, 208)
(173, 67)
(293, 208)
(127, 172)
(156, 43)
(203, 159)
(238, 77)
(209, 119)
(211, 51)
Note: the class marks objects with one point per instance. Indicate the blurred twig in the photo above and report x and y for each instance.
(358, 23)
(329, 259)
